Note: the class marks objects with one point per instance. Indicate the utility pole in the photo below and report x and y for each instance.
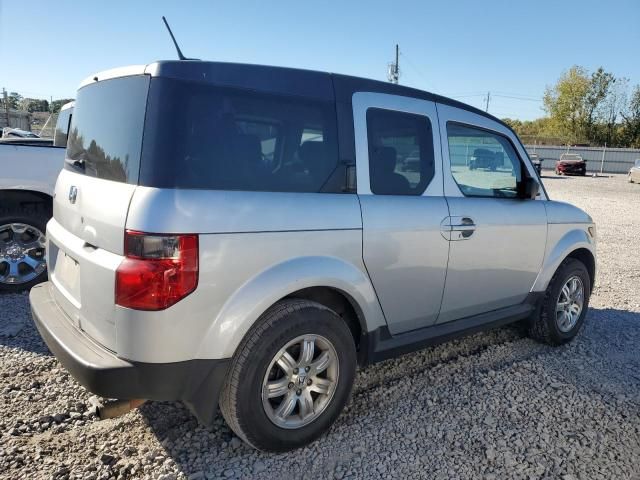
(487, 100)
(393, 72)
(6, 104)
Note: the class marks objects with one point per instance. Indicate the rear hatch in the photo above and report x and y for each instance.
(92, 195)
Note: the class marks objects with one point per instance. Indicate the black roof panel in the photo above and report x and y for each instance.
(294, 81)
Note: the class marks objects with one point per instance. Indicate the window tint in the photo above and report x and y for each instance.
(483, 164)
(400, 152)
(106, 129)
(62, 128)
(208, 137)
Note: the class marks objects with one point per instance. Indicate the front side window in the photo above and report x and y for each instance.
(401, 159)
(483, 163)
(201, 136)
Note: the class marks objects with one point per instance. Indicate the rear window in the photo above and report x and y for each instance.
(200, 136)
(105, 137)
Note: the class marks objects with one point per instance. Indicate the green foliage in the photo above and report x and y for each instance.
(34, 105)
(587, 108)
(56, 105)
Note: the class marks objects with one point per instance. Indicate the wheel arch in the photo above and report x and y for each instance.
(344, 305)
(575, 243)
(587, 258)
(330, 281)
(18, 198)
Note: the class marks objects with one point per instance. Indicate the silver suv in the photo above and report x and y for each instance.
(247, 236)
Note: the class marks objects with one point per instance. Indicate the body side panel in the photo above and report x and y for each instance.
(403, 248)
(496, 266)
(211, 211)
(242, 275)
(562, 239)
(31, 168)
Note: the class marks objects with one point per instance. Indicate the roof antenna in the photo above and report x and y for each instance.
(180, 55)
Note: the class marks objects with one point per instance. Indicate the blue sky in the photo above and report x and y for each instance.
(462, 49)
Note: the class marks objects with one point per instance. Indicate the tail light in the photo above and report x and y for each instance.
(158, 271)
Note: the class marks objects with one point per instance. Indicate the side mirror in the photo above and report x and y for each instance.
(530, 188)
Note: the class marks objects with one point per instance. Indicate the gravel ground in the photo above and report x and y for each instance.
(493, 405)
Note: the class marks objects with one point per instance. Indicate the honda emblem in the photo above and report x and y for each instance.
(73, 194)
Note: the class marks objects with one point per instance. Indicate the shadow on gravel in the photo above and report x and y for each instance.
(603, 359)
(17, 329)
(556, 177)
(399, 400)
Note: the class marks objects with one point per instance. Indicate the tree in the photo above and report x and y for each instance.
(565, 103)
(34, 105)
(600, 86)
(610, 109)
(631, 120)
(56, 105)
(13, 99)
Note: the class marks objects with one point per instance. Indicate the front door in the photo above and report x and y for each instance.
(497, 238)
(399, 171)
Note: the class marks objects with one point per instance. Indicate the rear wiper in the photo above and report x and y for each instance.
(80, 164)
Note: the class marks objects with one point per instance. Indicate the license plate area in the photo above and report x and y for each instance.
(66, 274)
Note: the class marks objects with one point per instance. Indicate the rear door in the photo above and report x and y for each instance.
(92, 195)
(399, 171)
(497, 240)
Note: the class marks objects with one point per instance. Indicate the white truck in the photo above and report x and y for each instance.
(28, 173)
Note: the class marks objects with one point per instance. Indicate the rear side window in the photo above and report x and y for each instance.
(401, 158)
(208, 137)
(105, 137)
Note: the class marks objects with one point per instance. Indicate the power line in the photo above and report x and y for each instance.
(467, 96)
(519, 98)
(418, 71)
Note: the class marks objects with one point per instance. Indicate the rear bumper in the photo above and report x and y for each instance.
(197, 383)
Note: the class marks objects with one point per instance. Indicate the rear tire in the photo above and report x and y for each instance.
(35, 217)
(560, 320)
(259, 365)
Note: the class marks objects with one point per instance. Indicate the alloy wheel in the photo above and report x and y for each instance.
(300, 381)
(22, 249)
(569, 304)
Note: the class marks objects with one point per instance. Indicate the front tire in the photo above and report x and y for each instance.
(291, 376)
(564, 306)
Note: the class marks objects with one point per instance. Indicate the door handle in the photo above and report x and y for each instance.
(457, 228)
(465, 228)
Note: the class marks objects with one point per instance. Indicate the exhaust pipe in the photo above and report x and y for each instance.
(115, 408)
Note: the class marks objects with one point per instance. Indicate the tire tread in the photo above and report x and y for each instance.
(229, 396)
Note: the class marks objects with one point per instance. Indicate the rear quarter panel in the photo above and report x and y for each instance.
(255, 248)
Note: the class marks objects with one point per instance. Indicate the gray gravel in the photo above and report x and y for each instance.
(494, 405)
